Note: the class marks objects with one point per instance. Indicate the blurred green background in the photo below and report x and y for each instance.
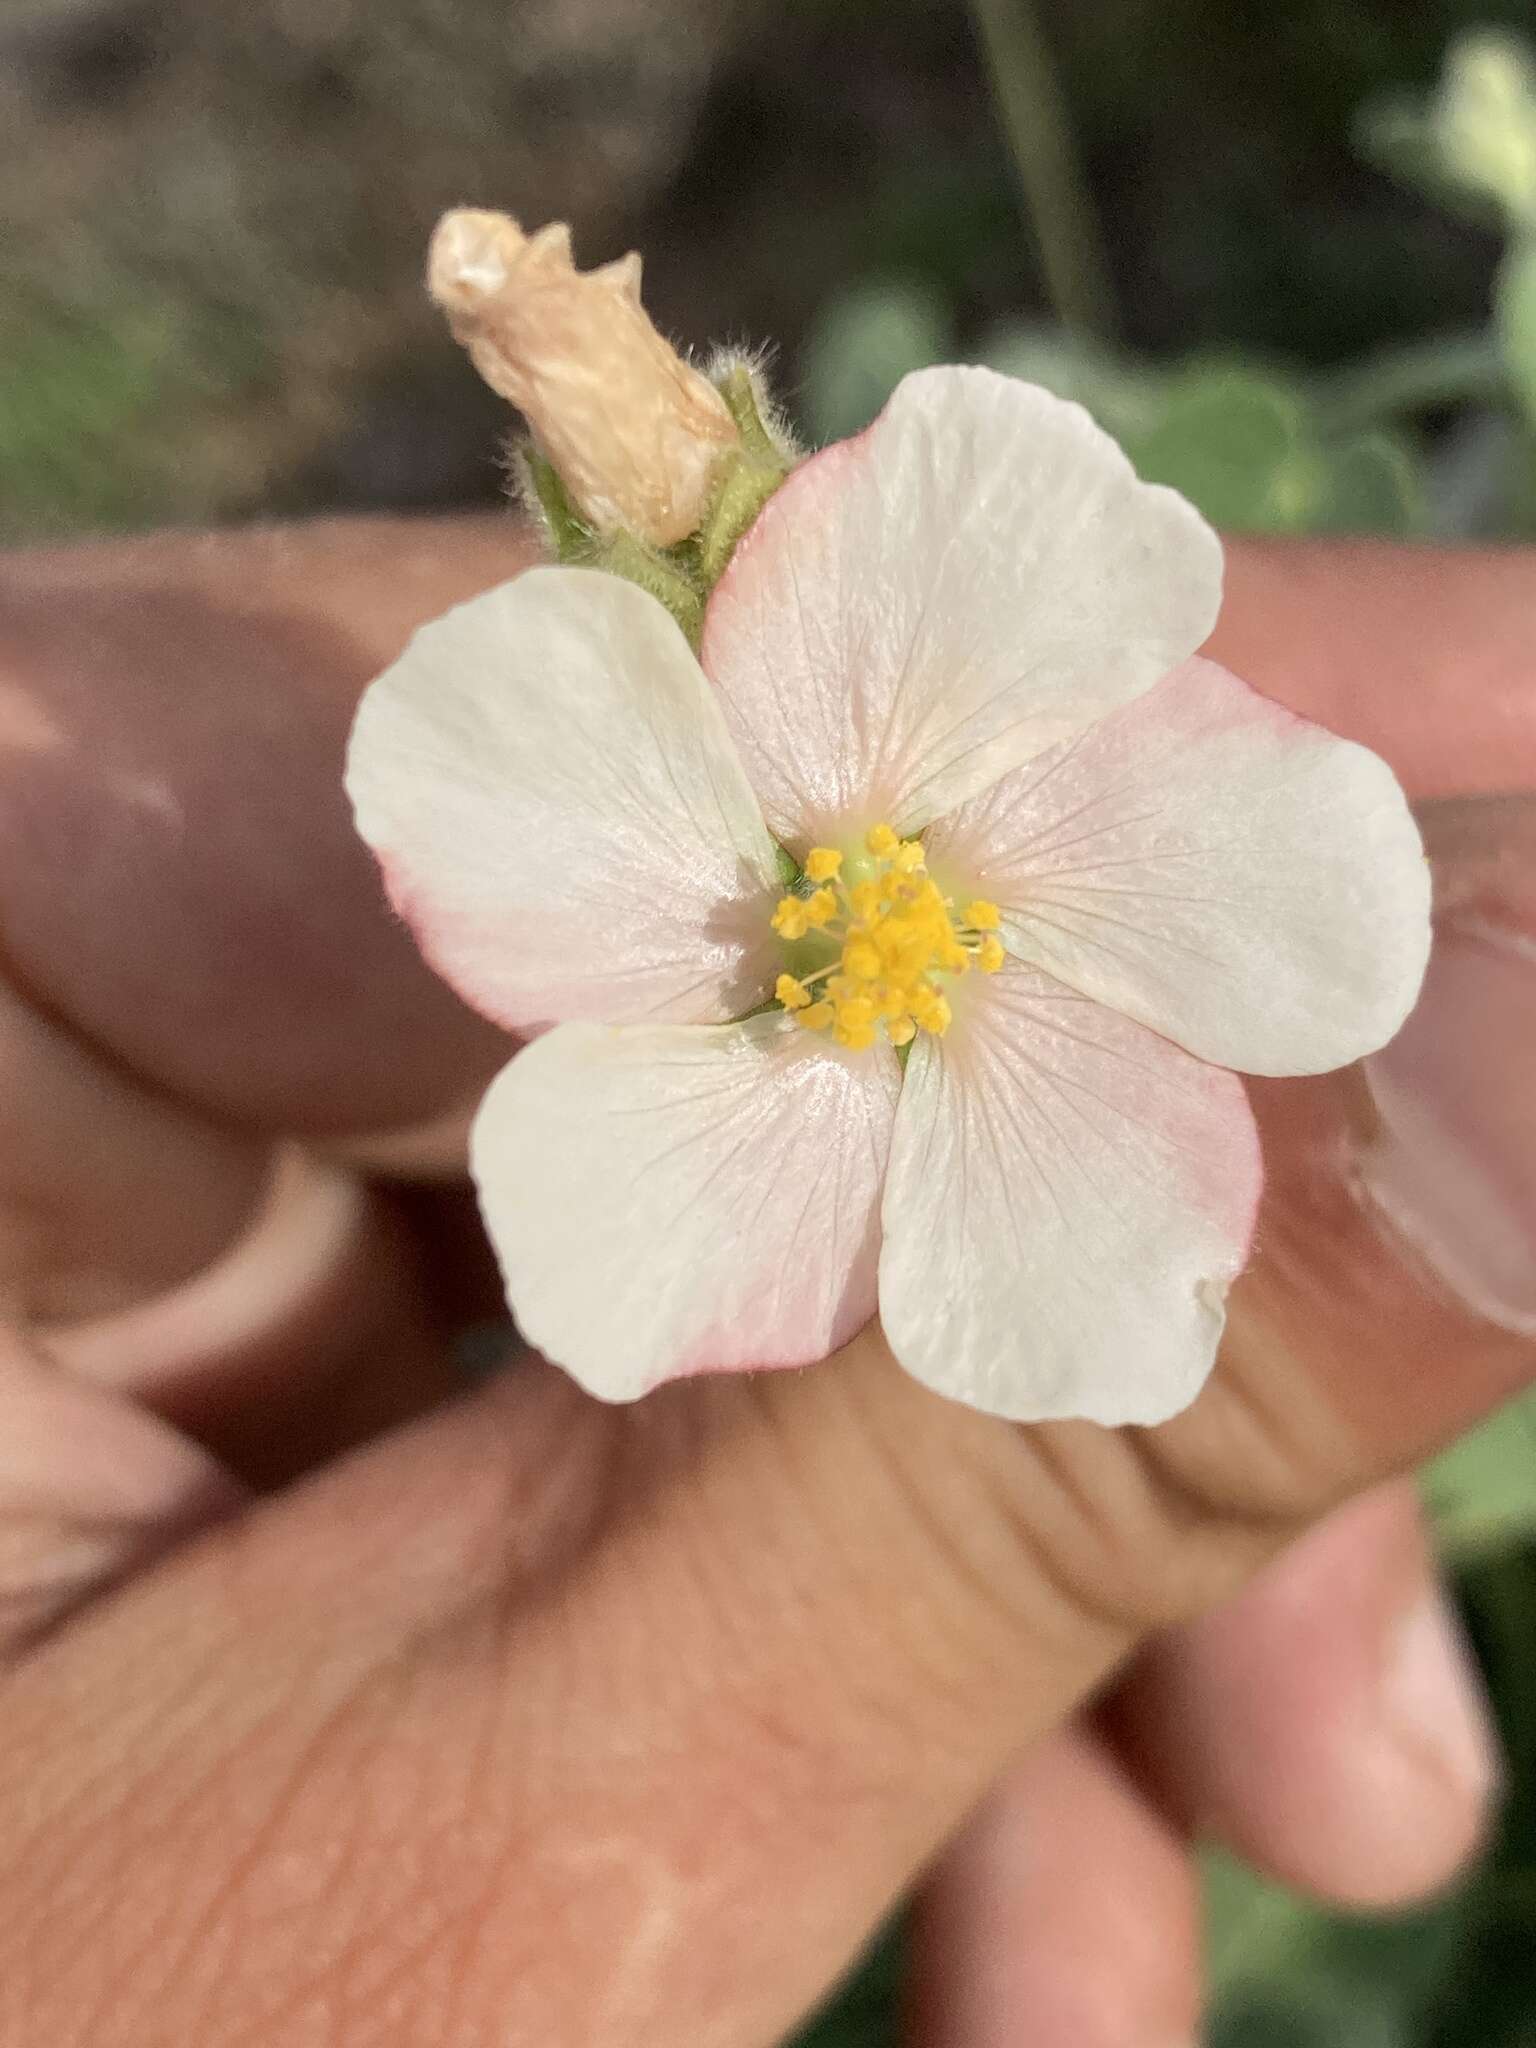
(1287, 255)
(212, 222)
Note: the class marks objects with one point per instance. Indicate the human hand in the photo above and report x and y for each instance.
(343, 1707)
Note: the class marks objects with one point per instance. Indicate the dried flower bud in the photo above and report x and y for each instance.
(633, 431)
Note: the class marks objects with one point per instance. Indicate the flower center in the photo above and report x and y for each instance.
(888, 933)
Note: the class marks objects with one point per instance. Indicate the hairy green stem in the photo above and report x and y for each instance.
(1034, 118)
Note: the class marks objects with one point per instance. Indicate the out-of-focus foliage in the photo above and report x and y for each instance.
(212, 224)
(863, 2013)
(1473, 141)
(270, 170)
(1515, 309)
(1252, 445)
(98, 412)
(1482, 1492)
(1259, 447)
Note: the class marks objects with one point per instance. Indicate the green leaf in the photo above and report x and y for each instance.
(1236, 442)
(1395, 134)
(1472, 144)
(862, 2013)
(1482, 1492)
(1374, 486)
(1123, 396)
(1244, 444)
(1285, 1973)
(861, 345)
(1514, 312)
(1485, 118)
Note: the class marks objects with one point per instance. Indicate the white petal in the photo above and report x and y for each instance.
(560, 813)
(1230, 874)
(1069, 1198)
(674, 1200)
(921, 609)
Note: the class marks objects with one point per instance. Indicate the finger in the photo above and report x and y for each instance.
(1065, 1915)
(122, 1431)
(1423, 654)
(1328, 1724)
(1375, 1320)
(90, 1488)
(511, 1715)
(109, 1192)
(182, 882)
(221, 914)
(310, 1332)
(234, 1289)
(1453, 1161)
(830, 1607)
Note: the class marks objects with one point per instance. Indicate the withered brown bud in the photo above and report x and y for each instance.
(635, 433)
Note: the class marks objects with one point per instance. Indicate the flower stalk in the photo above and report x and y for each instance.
(1034, 118)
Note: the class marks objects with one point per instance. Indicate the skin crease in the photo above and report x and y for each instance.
(530, 1721)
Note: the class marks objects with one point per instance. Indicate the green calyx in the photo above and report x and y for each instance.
(680, 577)
(749, 475)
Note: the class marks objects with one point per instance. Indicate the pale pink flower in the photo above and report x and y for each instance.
(974, 623)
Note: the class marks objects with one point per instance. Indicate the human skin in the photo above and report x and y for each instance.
(343, 1706)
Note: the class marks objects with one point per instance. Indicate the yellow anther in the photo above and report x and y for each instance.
(880, 945)
(790, 920)
(862, 959)
(931, 1011)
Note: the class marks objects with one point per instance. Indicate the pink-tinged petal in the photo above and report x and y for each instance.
(668, 1200)
(560, 813)
(1215, 867)
(1069, 1198)
(919, 610)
